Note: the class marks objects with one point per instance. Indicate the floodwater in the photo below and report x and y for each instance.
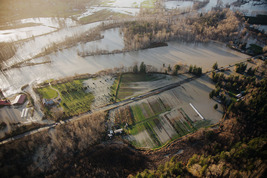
(112, 40)
(122, 10)
(37, 45)
(67, 62)
(40, 26)
(178, 4)
(251, 8)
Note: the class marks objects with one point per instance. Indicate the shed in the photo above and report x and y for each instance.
(48, 102)
(19, 99)
(118, 131)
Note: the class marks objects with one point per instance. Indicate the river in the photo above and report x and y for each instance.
(67, 63)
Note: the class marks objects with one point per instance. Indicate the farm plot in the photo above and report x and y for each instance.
(123, 116)
(101, 88)
(134, 84)
(152, 123)
(161, 128)
(74, 99)
(172, 114)
(47, 92)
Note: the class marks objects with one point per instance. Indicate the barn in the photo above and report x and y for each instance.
(19, 99)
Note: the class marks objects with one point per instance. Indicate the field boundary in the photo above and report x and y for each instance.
(118, 87)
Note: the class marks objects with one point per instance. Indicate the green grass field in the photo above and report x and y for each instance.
(137, 113)
(47, 92)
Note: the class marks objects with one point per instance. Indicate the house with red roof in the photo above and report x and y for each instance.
(19, 99)
(4, 103)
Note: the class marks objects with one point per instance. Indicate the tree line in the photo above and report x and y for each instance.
(222, 25)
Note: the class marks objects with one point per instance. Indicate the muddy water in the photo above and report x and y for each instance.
(38, 44)
(40, 26)
(68, 63)
(112, 40)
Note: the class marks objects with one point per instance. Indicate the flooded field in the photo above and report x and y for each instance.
(33, 27)
(67, 62)
(252, 8)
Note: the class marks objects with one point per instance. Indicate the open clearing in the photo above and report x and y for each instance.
(154, 121)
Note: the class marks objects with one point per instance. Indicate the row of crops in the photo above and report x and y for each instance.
(151, 123)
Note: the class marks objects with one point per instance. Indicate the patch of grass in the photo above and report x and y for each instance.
(148, 4)
(125, 92)
(131, 77)
(136, 129)
(147, 109)
(114, 89)
(137, 112)
(181, 127)
(157, 107)
(154, 122)
(107, 2)
(202, 123)
(186, 116)
(188, 126)
(152, 134)
(47, 92)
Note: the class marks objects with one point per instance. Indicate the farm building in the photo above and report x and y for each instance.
(19, 99)
(48, 102)
(4, 103)
(118, 131)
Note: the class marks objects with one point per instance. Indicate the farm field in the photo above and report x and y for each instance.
(100, 88)
(74, 99)
(154, 121)
(135, 84)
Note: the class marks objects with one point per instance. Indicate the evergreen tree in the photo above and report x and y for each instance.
(215, 66)
(135, 69)
(190, 69)
(142, 68)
